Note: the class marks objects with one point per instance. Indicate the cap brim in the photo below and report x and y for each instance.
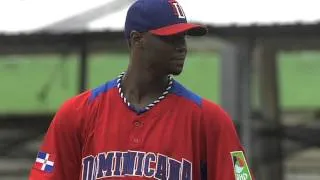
(188, 28)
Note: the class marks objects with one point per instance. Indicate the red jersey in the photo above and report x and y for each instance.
(95, 135)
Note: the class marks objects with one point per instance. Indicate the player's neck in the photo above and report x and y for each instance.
(141, 87)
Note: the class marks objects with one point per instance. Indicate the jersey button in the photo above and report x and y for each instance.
(136, 140)
(138, 124)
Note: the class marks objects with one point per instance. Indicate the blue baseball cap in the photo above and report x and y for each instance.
(160, 17)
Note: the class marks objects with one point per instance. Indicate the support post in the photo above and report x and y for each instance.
(83, 66)
(268, 140)
(236, 89)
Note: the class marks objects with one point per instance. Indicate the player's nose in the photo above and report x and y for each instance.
(181, 49)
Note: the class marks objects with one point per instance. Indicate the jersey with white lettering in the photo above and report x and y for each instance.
(95, 135)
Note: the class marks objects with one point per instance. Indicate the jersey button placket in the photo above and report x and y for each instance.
(135, 138)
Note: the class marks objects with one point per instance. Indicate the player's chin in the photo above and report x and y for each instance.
(176, 71)
(175, 67)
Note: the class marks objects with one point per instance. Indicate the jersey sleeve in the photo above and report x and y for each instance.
(59, 156)
(225, 156)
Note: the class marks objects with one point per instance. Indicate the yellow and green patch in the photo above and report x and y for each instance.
(240, 166)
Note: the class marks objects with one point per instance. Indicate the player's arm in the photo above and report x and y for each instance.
(59, 156)
(225, 158)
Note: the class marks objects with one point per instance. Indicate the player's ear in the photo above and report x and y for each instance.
(136, 39)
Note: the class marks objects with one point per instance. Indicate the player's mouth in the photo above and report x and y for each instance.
(179, 58)
(178, 61)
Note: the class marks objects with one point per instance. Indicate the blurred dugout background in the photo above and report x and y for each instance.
(260, 61)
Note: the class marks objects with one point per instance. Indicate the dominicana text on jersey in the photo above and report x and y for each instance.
(135, 164)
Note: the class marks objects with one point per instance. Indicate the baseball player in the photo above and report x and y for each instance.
(144, 124)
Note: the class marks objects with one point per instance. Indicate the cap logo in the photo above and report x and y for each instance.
(178, 9)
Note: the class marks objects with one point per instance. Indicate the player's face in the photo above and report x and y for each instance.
(166, 53)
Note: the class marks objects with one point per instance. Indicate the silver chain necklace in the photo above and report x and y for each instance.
(149, 106)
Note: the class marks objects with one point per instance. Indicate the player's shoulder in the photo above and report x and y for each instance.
(79, 110)
(183, 92)
(86, 99)
(215, 116)
(208, 107)
(103, 89)
(75, 102)
(212, 112)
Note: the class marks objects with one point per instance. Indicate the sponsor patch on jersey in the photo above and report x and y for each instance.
(240, 166)
(44, 162)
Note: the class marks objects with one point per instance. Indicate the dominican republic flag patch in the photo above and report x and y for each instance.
(44, 162)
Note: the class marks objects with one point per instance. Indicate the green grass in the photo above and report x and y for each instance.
(299, 75)
(23, 77)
